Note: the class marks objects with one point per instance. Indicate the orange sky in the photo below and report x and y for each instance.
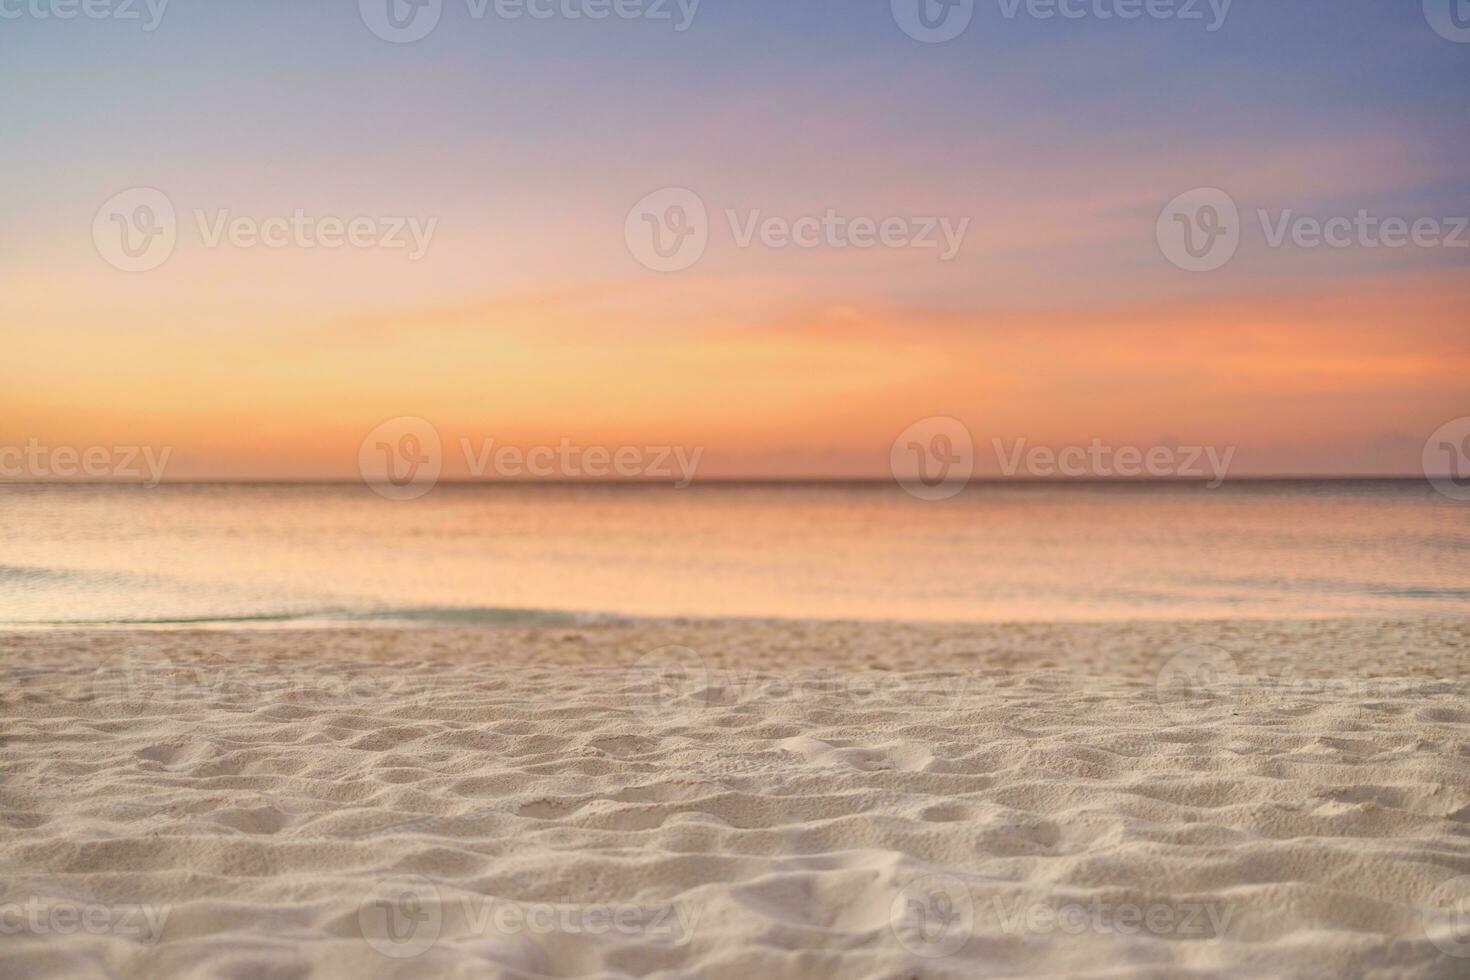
(530, 319)
(1301, 380)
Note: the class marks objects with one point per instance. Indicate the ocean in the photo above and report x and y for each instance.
(325, 554)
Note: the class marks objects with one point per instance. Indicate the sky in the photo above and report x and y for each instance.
(524, 152)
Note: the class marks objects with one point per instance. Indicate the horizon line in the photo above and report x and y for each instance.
(756, 481)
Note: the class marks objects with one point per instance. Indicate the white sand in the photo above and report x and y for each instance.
(797, 800)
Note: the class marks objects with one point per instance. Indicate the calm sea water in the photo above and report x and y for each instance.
(327, 553)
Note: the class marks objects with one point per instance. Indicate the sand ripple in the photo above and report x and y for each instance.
(738, 800)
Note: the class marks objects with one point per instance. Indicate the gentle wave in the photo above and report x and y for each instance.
(267, 555)
(421, 615)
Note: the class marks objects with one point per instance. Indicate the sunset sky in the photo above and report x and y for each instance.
(530, 320)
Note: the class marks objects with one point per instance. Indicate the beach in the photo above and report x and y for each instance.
(911, 490)
(728, 798)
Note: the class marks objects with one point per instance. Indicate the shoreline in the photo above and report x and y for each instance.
(1311, 646)
(494, 618)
